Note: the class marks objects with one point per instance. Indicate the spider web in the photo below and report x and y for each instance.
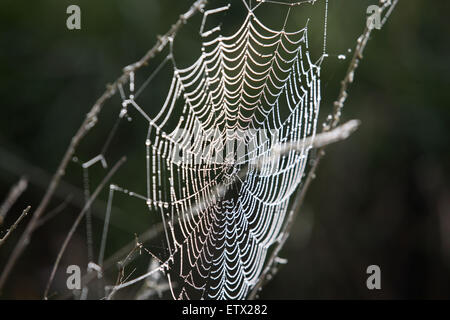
(212, 177)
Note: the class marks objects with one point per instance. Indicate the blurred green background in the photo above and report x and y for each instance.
(381, 197)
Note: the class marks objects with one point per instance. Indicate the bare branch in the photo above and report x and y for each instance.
(319, 141)
(14, 194)
(337, 134)
(85, 127)
(14, 226)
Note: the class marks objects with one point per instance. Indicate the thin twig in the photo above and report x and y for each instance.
(78, 220)
(85, 127)
(153, 284)
(14, 226)
(15, 192)
(122, 264)
(151, 233)
(53, 213)
(361, 43)
(332, 122)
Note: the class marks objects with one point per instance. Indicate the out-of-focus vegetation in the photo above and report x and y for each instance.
(382, 197)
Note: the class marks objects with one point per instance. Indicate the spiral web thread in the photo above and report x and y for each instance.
(220, 208)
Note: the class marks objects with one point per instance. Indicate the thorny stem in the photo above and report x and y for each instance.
(332, 122)
(85, 127)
